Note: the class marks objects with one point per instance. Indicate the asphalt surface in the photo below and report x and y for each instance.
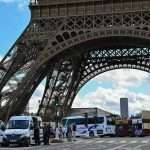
(94, 144)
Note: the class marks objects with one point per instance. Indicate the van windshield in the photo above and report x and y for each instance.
(18, 124)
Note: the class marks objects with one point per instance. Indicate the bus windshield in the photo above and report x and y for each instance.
(77, 121)
(18, 124)
(63, 122)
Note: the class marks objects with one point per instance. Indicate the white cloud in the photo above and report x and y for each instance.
(34, 101)
(109, 100)
(123, 78)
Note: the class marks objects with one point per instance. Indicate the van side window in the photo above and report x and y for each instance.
(41, 125)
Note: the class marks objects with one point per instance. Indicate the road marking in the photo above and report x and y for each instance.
(133, 142)
(139, 146)
(99, 141)
(145, 141)
(93, 148)
(115, 148)
(109, 142)
(122, 142)
(87, 142)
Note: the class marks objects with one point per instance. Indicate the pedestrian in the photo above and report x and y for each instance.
(44, 134)
(74, 127)
(69, 133)
(60, 132)
(52, 133)
(37, 134)
(48, 133)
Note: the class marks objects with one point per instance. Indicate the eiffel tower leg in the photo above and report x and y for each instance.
(60, 87)
(17, 106)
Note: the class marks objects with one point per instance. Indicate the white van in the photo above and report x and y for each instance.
(20, 130)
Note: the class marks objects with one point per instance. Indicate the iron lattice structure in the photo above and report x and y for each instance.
(69, 42)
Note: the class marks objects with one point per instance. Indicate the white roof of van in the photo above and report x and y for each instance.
(21, 118)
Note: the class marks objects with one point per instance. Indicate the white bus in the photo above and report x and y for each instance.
(91, 126)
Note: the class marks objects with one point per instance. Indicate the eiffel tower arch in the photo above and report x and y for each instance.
(69, 42)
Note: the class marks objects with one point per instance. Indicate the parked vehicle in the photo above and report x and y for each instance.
(91, 126)
(20, 130)
(141, 124)
(141, 127)
(123, 127)
(2, 134)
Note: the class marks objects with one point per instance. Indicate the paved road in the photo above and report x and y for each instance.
(95, 144)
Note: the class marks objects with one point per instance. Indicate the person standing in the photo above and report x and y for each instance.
(37, 135)
(46, 131)
(74, 128)
(44, 134)
(60, 133)
(69, 133)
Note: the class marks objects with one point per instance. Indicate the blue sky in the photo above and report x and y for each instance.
(14, 17)
(103, 91)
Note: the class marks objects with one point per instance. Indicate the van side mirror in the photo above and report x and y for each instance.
(31, 127)
(3, 128)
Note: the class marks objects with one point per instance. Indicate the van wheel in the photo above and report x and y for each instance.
(5, 144)
(27, 143)
(91, 134)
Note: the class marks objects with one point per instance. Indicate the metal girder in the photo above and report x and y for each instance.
(69, 43)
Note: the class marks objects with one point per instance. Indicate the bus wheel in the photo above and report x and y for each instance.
(91, 134)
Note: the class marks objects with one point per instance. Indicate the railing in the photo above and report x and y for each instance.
(103, 2)
(66, 7)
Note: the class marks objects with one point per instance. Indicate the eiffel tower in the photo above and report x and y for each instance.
(69, 42)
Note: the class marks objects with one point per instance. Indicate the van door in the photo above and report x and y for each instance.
(41, 131)
(31, 130)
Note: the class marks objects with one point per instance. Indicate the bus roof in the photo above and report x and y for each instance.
(75, 117)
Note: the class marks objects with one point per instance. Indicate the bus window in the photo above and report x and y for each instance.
(100, 120)
(110, 121)
(80, 121)
(91, 121)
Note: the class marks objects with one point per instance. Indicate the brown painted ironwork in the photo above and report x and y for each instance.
(69, 42)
